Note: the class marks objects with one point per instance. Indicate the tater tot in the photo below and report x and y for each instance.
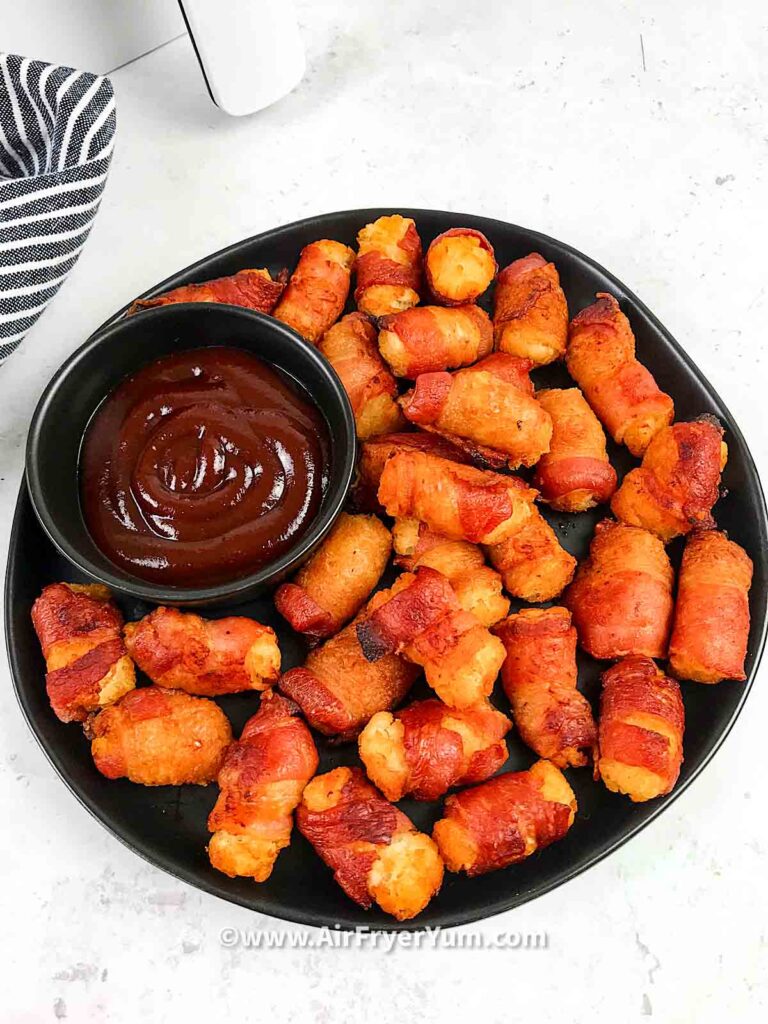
(477, 586)
(674, 489)
(80, 632)
(350, 347)
(335, 583)
(261, 781)
(420, 617)
(621, 598)
(641, 730)
(505, 820)
(539, 676)
(388, 266)
(338, 689)
(711, 624)
(426, 339)
(534, 566)
(427, 748)
(459, 502)
(182, 651)
(317, 289)
(575, 474)
(530, 314)
(159, 737)
(601, 359)
(254, 289)
(376, 854)
(375, 452)
(483, 410)
(459, 266)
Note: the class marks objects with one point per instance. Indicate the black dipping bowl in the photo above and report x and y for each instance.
(119, 349)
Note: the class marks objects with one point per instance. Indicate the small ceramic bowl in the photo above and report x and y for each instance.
(123, 347)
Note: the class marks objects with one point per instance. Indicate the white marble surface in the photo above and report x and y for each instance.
(651, 158)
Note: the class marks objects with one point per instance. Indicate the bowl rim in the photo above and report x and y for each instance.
(235, 590)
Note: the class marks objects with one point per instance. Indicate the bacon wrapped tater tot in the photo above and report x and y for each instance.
(476, 585)
(459, 266)
(80, 631)
(375, 452)
(335, 583)
(388, 266)
(711, 624)
(621, 598)
(641, 730)
(426, 339)
(350, 347)
(601, 359)
(182, 651)
(505, 820)
(159, 737)
(459, 502)
(374, 850)
(261, 780)
(420, 617)
(338, 689)
(575, 474)
(534, 566)
(427, 748)
(674, 489)
(317, 289)
(539, 677)
(530, 314)
(487, 409)
(252, 288)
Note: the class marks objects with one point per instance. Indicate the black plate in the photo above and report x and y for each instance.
(167, 825)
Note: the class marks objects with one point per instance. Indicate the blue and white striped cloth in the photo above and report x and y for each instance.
(57, 131)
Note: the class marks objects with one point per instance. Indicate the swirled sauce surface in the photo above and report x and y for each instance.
(201, 468)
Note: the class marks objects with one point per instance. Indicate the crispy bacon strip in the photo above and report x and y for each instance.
(505, 820)
(601, 359)
(459, 502)
(459, 266)
(182, 651)
(641, 730)
(711, 624)
(80, 631)
(431, 338)
(338, 689)
(476, 585)
(261, 781)
(376, 854)
(427, 747)
(317, 289)
(337, 580)
(350, 347)
(534, 566)
(674, 489)
(483, 410)
(530, 314)
(621, 598)
(420, 617)
(375, 452)
(539, 678)
(159, 737)
(252, 288)
(388, 266)
(575, 474)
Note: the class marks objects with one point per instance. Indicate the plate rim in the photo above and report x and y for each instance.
(476, 913)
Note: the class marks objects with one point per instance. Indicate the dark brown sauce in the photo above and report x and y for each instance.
(201, 468)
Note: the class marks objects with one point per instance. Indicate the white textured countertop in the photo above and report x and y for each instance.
(637, 133)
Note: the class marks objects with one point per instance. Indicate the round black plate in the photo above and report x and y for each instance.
(167, 825)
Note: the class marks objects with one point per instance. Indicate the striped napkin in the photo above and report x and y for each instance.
(57, 130)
